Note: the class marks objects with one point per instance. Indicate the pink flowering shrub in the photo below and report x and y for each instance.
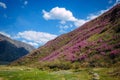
(115, 53)
(103, 53)
(82, 57)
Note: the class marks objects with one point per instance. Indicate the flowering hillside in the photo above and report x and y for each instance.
(96, 43)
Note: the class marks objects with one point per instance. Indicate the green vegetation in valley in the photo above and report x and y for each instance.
(25, 73)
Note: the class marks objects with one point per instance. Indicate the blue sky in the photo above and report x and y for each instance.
(38, 21)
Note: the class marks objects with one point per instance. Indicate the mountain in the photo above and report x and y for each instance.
(96, 43)
(11, 50)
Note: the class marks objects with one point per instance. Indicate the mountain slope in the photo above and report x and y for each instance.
(11, 50)
(96, 43)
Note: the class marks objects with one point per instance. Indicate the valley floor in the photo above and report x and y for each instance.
(25, 73)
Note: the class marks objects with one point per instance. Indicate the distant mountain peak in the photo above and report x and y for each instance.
(11, 50)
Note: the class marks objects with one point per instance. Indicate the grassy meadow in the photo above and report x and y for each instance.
(26, 73)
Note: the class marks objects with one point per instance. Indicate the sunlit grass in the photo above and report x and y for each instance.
(25, 73)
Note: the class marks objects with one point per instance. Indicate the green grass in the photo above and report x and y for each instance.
(25, 73)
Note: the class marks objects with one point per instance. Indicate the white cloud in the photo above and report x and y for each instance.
(62, 31)
(64, 28)
(25, 2)
(35, 38)
(93, 16)
(3, 5)
(31, 43)
(5, 34)
(59, 14)
(63, 15)
(62, 22)
(79, 22)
